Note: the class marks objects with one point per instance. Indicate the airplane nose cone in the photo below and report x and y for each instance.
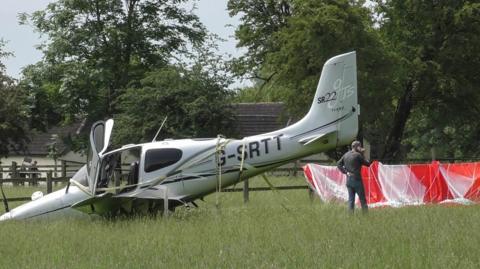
(5, 216)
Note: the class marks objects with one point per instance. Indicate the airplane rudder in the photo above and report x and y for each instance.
(337, 88)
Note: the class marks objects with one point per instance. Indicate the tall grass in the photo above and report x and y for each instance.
(274, 230)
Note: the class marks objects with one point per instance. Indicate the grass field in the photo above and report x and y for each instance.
(261, 234)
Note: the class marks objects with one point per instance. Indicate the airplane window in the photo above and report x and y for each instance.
(98, 136)
(159, 158)
(119, 171)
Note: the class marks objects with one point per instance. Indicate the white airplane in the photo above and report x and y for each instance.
(137, 178)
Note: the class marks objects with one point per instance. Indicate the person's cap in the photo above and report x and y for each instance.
(356, 144)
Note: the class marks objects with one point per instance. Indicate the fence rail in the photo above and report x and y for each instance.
(15, 173)
(296, 187)
(21, 175)
(17, 199)
(31, 173)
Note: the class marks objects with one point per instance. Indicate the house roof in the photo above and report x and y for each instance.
(258, 118)
(40, 141)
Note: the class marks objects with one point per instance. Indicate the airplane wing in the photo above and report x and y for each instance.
(103, 205)
(110, 205)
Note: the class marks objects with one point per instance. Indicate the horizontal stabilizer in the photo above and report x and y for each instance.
(315, 138)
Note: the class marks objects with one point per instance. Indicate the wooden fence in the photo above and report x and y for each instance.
(61, 173)
(33, 175)
(17, 172)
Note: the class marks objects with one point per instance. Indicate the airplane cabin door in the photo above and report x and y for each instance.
(99, 142)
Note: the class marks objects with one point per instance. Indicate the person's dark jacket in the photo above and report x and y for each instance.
(351, 162)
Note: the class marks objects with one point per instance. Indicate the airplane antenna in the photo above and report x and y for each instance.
(159, 129)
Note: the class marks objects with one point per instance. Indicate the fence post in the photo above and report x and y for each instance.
(49, 181)
(1, 174)
(14, 169)
(64, 169)
(245, 191)
(165, 204)
(295, 168)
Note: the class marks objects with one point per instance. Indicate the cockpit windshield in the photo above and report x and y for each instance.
(119, 171)
(81, 176)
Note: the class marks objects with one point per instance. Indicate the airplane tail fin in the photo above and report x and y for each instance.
(335, 107)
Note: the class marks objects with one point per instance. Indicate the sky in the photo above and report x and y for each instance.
(21, 39)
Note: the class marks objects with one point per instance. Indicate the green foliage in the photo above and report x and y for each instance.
(260, 20)
(97, 48)
(193, 95)
(437, 42)
(105, 58)
(260, 234)
(299, 44)
(42, 82)
(14, 111)
(196, 104)
(417, 66)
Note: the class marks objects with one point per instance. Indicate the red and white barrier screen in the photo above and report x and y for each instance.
(399, 185)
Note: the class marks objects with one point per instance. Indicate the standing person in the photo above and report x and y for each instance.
(22, 173)
(351, 165)
(34, 173)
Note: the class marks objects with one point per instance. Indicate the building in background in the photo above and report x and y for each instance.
(258, 118)
(48, 147)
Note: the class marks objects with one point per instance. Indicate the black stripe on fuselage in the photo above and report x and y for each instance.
(51, 211)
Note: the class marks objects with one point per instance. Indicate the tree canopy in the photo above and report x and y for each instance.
(193, 96)
(417, 65)
(437, 45)
(102, 57)
(142, 60)
(14, 112)
(95, 49)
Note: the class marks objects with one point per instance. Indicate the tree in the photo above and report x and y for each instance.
(437, 43)
(14, 111)
(194, 97)
(97, 48)
(260, 21)
(41, 82)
